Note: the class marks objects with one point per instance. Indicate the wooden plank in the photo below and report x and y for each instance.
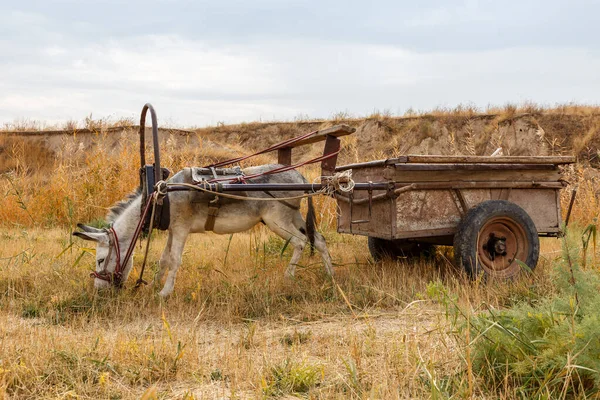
(392, 174)
(335, 131)
(368, 164)
(284, 156)
(487, 159)
(332, 145)
(472, 167)
(482, 185)
(418, 159)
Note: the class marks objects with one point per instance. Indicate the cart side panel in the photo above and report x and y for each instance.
(379, 224)
(541, 205)
(382, 220)
(428, 213)
(424, 213)
(527, 175)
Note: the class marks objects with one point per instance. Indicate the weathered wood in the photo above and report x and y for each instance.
(472, 167)
(429, 210)
(486, 159)
(390, 173)
(332, 145)
(461, 160)
(284, 156)
(482, 185)
(335, 131)
(368, 164)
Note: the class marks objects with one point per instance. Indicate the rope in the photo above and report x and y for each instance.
(341, 181)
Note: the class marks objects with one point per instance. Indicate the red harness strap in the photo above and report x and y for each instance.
(277, 146)
(243, 178)
(116, 276)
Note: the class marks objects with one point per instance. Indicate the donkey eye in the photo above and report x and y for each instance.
(100, 261)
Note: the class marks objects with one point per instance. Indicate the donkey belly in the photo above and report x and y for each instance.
(235, 225)
(229, 220)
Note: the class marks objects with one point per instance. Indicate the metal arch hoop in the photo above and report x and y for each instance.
(157, 170)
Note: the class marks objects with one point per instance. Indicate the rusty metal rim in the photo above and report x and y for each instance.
(495, 232)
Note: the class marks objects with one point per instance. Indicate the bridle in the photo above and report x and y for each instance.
(116, 277)
(112, 277)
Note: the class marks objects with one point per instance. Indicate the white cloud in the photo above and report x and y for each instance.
(194, 82)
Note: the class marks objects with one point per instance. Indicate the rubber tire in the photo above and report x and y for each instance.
(383, 248)
(465, 239)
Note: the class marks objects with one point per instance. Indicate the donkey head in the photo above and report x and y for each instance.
(106, 254)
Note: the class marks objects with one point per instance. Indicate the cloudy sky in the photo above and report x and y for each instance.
(204, 62)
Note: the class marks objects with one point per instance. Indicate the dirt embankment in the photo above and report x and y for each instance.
(525, 134)
(549, 133)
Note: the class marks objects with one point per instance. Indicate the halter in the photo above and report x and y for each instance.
(116, 276)
(113, 242)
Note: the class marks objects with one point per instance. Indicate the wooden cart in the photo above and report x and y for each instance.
(491, 209)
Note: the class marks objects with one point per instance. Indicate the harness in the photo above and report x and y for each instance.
(155, 194)
(212, 174)
(162, 214)
(116, 277)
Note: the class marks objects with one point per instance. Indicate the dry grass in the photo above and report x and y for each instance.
(98, 125)
(234, 328)
(62, 187)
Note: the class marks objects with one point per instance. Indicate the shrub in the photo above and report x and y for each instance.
(548, 348)
(291, 377)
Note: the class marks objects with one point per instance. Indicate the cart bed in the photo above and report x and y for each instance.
(433, 193)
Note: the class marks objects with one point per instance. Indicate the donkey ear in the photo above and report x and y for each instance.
(101, 237)
(90, 229)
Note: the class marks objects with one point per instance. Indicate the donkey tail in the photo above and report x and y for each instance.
(311, 222)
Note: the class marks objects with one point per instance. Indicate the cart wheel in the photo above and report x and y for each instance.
(381, 248)
(493, 236)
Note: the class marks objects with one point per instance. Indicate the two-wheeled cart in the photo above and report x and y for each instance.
(491, 209)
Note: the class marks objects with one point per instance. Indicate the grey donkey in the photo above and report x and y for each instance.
(188, 214)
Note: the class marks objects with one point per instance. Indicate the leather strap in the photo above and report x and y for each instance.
(213, 212)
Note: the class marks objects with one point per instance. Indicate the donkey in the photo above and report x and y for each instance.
(189, 213)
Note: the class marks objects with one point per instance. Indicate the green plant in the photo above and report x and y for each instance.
(550, 347)
(292, 377)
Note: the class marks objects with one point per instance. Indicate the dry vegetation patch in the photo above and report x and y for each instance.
(235, 328)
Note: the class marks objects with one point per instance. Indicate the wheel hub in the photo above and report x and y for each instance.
(495, 246)
(501, 241)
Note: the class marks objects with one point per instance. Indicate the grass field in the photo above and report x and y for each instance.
(235, 328)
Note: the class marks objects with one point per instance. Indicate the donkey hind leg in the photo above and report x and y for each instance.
(296, 238)
(320, 244)
(172, 259)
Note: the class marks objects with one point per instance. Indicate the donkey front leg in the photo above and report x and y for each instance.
(171, 258)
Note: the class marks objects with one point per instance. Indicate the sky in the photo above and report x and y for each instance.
(208, 62)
